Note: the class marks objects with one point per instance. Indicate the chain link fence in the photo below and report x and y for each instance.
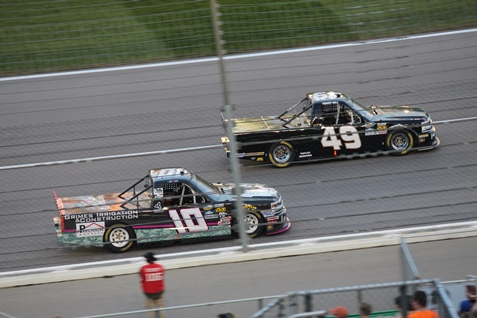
(53, 36)
(28, 205)
(318, 303)
(381, 297)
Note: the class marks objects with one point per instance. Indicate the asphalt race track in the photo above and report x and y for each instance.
(56, 118)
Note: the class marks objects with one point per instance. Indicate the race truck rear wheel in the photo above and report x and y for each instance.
(281, 154)
(399, 142)
(252, 224)
(119, 238)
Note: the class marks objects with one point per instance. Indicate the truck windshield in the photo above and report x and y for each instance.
(207, 188)
(362, 110)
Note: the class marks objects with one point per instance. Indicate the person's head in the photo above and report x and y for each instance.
(365, 309)
(402, 302)
(339, 312)
(471, 293)
(419, 300)
(150, 258)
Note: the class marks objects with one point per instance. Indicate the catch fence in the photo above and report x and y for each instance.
(316, 303)
(51, 36)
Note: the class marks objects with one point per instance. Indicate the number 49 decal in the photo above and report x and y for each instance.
(185, 222)
(348, 134)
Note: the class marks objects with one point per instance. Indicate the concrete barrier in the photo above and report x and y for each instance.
(236, 254)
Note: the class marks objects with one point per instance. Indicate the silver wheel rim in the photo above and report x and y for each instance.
(119, 237)
(281, 154)
(400, 141)
(251, 221)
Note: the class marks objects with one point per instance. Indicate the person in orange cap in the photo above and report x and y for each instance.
(339, 312)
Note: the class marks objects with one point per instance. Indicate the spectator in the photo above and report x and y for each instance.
(365, 310)
(419, 304)
(339, 312)
(227, 315)
(466, 305)
(152, 283)
(407, 301)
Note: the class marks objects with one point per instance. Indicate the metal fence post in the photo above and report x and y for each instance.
(227, 110)
(409, 268)
(360, 297)
(308, 303)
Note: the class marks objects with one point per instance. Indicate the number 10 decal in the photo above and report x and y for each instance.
(185, 222)
(348, 134)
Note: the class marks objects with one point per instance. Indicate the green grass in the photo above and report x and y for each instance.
(56, 35)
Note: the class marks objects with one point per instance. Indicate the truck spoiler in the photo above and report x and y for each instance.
(101, 203)
(59, 203)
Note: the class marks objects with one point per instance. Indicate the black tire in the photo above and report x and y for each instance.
(281, 154)
(252, 224)
(399, 142)
(119, 238)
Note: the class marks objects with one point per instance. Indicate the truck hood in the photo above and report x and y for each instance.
(256, 124)
(385, 113)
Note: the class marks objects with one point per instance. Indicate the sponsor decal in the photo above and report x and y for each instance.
(90, 229)
(225, 221)
(222, 209)
(218, 205)
(272, 219)
(260, 159)
(249, 207)
(381, 127)
(423, 136)
(103, 216)
(210, 215)
(158, 206)
(207, 208)
(305, 154)
(250, 154)
(222, 215)
(165, 172)
(267, 214)
(159, 192)
(375, 132)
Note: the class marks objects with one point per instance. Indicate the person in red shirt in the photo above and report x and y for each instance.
(152, 283)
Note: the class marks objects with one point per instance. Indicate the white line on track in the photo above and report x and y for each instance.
(160, 152)
(238, 56)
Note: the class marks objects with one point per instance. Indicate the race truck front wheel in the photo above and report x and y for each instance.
(399, 142)
(281, 154)
(119, 238)
(253, 227)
